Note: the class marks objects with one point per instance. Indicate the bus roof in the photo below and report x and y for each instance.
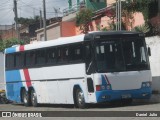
(66, 40)
(49, 43)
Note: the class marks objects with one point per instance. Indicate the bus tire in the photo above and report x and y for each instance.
(34, 98)
(25, 98)
(80, 101)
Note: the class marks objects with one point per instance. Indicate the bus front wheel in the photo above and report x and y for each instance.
(34, 98)
(25, 98)
(80, 101)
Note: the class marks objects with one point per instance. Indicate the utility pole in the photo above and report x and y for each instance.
(159, 15)
(118, 15)
(44, 20)
(40, 19)
(16, 19)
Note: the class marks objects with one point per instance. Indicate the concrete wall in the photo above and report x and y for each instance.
(53, 32)
(154, 44)
(11, 33)
(68, 29)
(109, 2)
(2, 86)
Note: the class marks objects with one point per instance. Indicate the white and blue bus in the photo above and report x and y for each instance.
(92, 68)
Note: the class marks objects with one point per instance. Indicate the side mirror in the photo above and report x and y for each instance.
(149, 51)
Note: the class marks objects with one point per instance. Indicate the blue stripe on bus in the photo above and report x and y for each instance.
(13, 75)
(13, 89)
(10, 50)
(112, 95)
(104, 81)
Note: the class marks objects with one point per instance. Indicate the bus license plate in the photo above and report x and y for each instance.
(126, 96)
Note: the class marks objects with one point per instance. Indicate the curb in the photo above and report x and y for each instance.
(155, 98)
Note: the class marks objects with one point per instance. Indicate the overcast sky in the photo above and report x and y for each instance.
(29, 8)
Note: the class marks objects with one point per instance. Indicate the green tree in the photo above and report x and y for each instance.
(27, 21)
(143, 6)
(142, 28)
(9, 43)
(2, 46)
(83, 18)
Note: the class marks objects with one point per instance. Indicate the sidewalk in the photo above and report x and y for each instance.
(155, 98)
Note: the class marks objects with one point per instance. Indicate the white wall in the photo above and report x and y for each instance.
(154, 44)
(1, 72)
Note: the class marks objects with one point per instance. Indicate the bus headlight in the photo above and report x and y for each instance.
(143, 84)
(146, 84)
(108, 87)
(102, 87)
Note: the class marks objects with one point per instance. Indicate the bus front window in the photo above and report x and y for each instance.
(121, 55)
(109, 56)
(135, 55)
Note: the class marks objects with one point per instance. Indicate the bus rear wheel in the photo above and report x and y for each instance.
(80, 102)
(25, 98)
(34, 98)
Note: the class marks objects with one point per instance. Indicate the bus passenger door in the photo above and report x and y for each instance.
(90, 69)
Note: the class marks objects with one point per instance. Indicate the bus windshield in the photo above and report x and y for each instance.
(117, 55)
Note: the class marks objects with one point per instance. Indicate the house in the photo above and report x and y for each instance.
(7, 32)
(105, 17)
(53, 32)
(53, 29)
(27, 32)
(67, 27)
(6, 28)
(69, 18)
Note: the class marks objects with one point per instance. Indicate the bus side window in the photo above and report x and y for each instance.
(10, 61)
(76, 53)
(19, 60)
(87, 53)
(65, 54)
(40, 57)
(51, 55)
(30, 58)
(59, 54)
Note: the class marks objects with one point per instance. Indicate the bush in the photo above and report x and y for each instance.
(9, 43)
(142, 28)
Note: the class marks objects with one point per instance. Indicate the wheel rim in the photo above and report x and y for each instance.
(80, 98)
(25, 97)
(33, 97)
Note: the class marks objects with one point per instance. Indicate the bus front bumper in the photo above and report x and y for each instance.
(113, 95)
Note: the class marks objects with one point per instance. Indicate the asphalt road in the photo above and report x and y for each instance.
(101, 108)
(135, 106)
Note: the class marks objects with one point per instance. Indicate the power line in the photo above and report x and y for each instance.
(6, 2)
(7, 16)
(44, 20)
(29, 6)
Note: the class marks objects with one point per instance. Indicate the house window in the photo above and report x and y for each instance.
(42, 37)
